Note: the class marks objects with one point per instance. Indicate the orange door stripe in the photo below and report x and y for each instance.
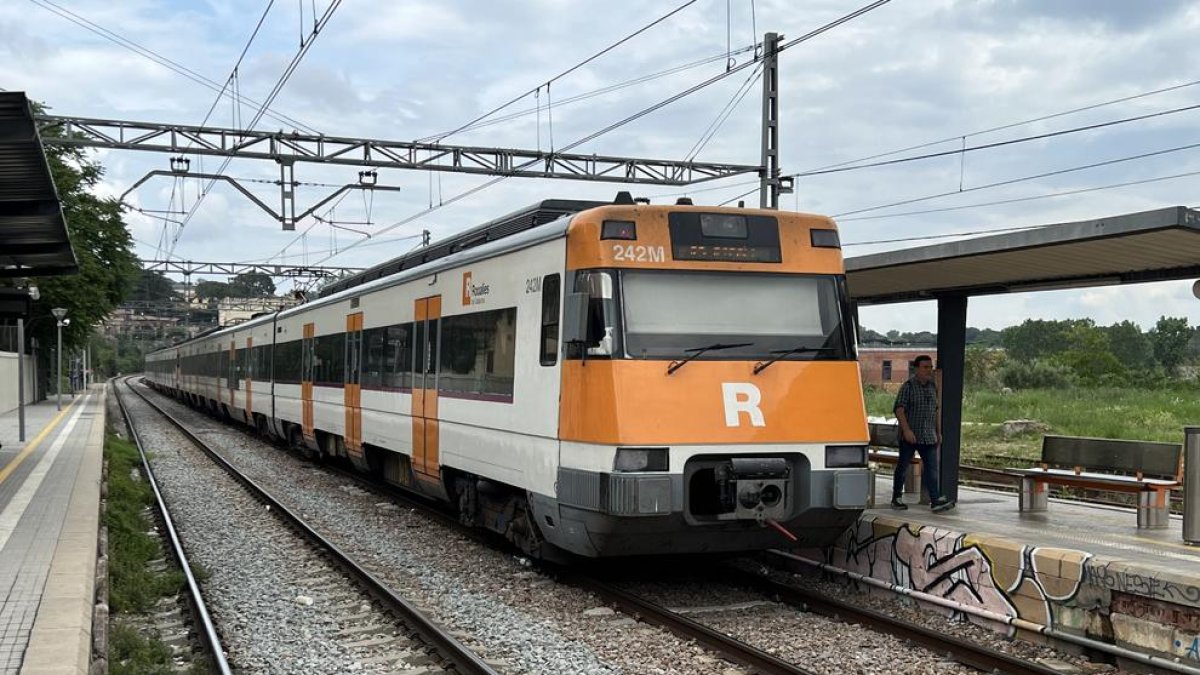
(306, 386)
(352, 393)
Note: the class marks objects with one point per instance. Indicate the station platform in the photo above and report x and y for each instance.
(1102, 530)
(49, 525)
(1078, 572)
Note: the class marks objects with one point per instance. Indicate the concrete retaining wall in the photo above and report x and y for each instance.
(1128, 603)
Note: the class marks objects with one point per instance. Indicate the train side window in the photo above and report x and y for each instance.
(550, 310)
(372, 370)
(478, 354)
(601, 311)
(397, 354)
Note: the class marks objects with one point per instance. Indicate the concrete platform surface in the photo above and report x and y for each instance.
(49, 525)
(1108, 531)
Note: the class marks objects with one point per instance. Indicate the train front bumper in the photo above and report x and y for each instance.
(600, 514)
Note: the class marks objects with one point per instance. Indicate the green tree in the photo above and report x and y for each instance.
(1130, 345)
(212, 290)
(154, 286)
(251, 285)
(108, 267)
(1088, 354)
(1036, 338)
(1170, 338)
(982, 366)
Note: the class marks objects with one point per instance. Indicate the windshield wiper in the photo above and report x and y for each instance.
(781, 353)
(697, 351)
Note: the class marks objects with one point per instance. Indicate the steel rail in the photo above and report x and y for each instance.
(960, 650)
(448, 647)
(728, 647)
(206, 628)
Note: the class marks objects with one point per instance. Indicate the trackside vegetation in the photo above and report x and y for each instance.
(133, 589)
(1072, 378)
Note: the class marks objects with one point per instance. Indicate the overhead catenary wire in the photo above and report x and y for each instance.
(1010, 125)
(155, 57)
(570, 70)
(1011, 181)
(958, 151)
(577, 98)
(279, 84)
(592, 136)
(998, 144)
(723, 115)
(958, 137)
(944, 235)
(1030, 198)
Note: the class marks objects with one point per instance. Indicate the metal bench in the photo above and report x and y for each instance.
(1143, 467)
(886, 436)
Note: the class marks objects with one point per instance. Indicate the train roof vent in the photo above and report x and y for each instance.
(684, 201)
(623, 197)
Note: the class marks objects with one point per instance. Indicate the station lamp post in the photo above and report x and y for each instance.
(59, 314)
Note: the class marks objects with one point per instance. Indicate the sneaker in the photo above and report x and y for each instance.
(899, 505)
(942, 504)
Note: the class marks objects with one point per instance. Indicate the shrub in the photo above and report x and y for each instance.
(1036, 374)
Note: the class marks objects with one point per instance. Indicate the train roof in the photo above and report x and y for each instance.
(449, 251)
(545, 211)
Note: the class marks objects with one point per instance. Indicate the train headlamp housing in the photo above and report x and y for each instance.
(844, 456)
(619, 229)
(641, 459)
(823, 238)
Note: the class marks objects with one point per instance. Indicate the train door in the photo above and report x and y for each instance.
(352, 402)
(307, 357)
(231, 377)
(249, 375)
(428, 311)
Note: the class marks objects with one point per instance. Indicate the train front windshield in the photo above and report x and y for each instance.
(651, 314)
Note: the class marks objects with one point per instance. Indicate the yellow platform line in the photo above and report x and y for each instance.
(32, 445)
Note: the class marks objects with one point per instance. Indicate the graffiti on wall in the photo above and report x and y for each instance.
(986, 573)
(1115, 577)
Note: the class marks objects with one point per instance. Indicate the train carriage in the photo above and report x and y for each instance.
(625, 379)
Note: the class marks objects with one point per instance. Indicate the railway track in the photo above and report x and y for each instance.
(376, 629)
(775, 603)
(720, 644)
(171, 621)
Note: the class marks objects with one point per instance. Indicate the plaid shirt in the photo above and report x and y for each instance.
(920, 403)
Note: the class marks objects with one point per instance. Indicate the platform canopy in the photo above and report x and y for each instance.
(1154, 245)
(33, 232)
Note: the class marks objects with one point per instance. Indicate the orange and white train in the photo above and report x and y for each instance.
(625, 379)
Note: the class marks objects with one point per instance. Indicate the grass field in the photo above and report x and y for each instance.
(1146, 415)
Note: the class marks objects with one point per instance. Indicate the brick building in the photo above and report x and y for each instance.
(889, 367)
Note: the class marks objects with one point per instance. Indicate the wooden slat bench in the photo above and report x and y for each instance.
(1147, 468)
(884, 437)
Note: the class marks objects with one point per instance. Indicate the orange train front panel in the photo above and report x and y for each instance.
(628, 402)
(652, 248)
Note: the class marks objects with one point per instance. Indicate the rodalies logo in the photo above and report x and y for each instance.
(473, 294)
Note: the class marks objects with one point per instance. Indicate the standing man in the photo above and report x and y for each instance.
(920, 420)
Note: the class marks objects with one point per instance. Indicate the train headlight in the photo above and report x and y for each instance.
(841, 456)
(641, 459)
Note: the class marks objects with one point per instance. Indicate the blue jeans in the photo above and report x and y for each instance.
(929, 471)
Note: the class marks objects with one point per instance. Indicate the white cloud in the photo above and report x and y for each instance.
(901, 75)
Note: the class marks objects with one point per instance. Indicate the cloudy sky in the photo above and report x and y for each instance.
(907, 73)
